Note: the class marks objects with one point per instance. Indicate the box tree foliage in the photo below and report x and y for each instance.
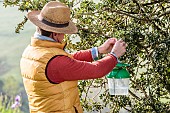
(145, 26)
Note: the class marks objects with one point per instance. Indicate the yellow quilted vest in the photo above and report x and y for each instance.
(43, 96)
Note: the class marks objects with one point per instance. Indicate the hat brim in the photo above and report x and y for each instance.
(33, 17)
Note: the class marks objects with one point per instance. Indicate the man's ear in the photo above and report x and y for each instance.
(55, 34)
(38, 30)
(51, 35)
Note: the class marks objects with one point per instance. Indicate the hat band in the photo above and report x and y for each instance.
(53, 24)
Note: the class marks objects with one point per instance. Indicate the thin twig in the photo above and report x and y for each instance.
(127, 109)
(152, 3)
(164, 13)
(88, 89)
(157, 8)
(77, 3)
(134, 95)
(140, 88)
(127, 14)
(91, 32)
(98, 93)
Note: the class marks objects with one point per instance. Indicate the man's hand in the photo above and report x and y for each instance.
(119, 48)
(107, 46)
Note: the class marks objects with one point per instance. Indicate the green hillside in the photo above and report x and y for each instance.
(12, 44)
(11, 48)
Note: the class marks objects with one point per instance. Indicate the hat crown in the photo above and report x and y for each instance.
(56, 12)
(54, 17)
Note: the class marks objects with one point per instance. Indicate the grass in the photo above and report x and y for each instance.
(5, 105)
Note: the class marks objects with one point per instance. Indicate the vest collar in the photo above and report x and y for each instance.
(41, 37)
(45, 43)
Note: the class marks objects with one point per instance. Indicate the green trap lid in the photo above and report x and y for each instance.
(119, 71)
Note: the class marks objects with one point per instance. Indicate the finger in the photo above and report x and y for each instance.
(124, 44)
(115, 39)
(112, 40)
(121, 40)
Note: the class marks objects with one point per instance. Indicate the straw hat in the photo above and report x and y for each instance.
(54, 17)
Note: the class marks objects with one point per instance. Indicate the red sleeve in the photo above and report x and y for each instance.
(83, 55)
(62, 68)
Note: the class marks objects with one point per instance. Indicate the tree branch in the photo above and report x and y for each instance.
(127, 109)
(151, 3)
(140, 88)
(164, 13)
(77, 3)
(88, 90)
(134, 95)
(91, 32)
(150, 20)
(124, 13)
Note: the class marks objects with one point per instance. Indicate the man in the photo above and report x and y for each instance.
(50, 74)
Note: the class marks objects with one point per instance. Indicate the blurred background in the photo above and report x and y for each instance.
(11, 48)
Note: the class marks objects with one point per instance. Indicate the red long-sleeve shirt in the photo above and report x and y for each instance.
(63, 68)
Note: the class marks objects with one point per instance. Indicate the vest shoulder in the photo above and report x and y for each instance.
(38, 53)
